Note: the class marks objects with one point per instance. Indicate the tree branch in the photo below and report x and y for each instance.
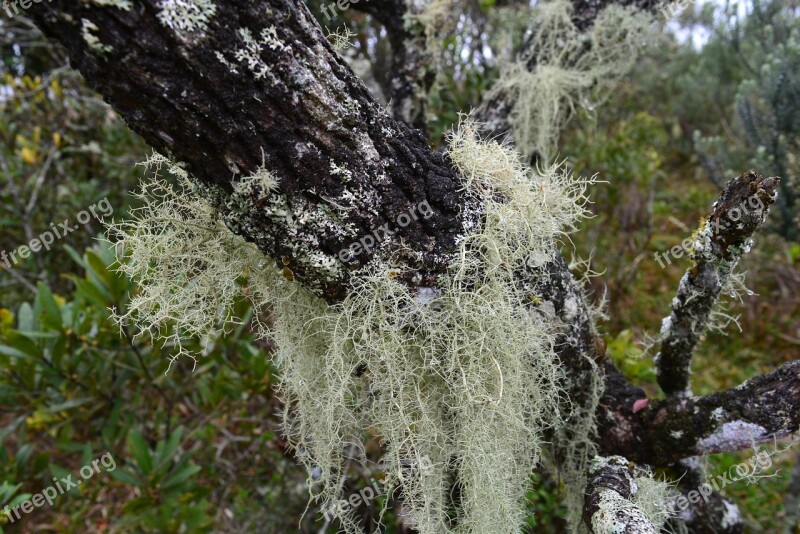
(703, 510)
(411, 69)
(759, 410)
(715, 248)
(261, 83)
(608, 505)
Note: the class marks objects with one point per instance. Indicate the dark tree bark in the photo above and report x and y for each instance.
(309, 118)
(716, 250)
(224, 102)
(609, 499)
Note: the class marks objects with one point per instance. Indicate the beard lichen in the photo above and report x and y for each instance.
(459, 382)
(563, 66)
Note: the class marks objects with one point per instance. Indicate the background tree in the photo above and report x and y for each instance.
(331, 109)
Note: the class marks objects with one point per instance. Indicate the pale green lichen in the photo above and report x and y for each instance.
(262, 183)
(125, 5)
(185, 259)
(87, 31)
(461, 376)
(186, 16)
(437, 20)
(653, 497)
(574, 442)
(340, 39)
(646, 509)
(250, 54)
(569, 67)
(448, 379)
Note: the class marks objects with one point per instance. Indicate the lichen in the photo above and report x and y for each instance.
(262, 183)
(462, 376)
(186, 16)
(87, 31)
(436, 20)
(340, 39)
(654, 497)
(646, 509)
(570, 67)
(250, 54)
(125, 5)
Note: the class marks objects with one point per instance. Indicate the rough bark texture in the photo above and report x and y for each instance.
(717, 247)
(411, 70)
(608, 508)
(225, 101)
(345, 168)
(712, 513)
(756, 411)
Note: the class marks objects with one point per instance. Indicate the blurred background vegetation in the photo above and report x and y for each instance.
(717, 93)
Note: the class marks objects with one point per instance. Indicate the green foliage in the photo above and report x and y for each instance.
(629, 358)
(169, 499)
(766, 80)
(546, 510)
(73, 385)
(61, 149)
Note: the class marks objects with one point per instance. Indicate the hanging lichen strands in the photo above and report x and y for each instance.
(464, 378)
(570, 67)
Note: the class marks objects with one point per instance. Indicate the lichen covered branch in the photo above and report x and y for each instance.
(759, 410)
(716, 248)
(609, 507)
(239, 85)
(411, 72)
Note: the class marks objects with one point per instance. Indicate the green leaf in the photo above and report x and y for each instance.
(19, 342)
(25, 318)
(125, 476)
(179, 477)
(166, 449)
(48, 307)
(87, 290)
(76, 257)
(68, 405)
(60, 473)
(140, 452)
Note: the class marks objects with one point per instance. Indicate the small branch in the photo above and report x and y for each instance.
(702, 509)
(758, 411)
(411, 73)
(608, 506)
(716, 248)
